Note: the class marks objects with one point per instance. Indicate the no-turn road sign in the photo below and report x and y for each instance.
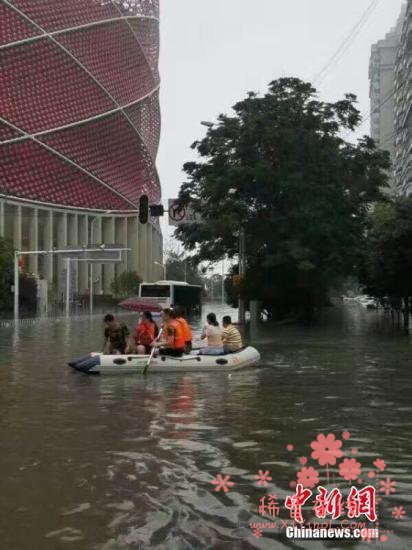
(181, 214)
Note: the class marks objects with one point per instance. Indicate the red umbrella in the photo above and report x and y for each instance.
(140, 304)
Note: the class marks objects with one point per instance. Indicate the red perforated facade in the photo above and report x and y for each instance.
(79, 102)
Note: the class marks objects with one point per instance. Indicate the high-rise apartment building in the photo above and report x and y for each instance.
(382, 87)
(403, 106)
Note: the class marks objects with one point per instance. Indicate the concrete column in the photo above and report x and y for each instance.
(142, 262)
(17, 228)
(61, 243)
(150, 254)
(2, 214)
(121, 240)
(133, 243)
(97, 268)
(109, 237)
(72, 230)
(73, 241)
(159, 248)
(48, 245)
(34, 240)
(157, 272)
(83, 240)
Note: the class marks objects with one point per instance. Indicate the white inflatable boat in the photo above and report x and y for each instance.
(98, 363)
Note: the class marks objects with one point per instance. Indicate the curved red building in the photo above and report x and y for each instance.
(79, 122)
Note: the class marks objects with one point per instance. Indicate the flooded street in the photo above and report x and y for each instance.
(125, 462)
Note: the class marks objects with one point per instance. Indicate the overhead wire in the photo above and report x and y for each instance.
(347, 42)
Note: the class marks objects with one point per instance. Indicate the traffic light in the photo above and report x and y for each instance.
(156, 210)
(144, 209)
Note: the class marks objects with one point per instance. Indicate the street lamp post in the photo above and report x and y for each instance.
(91, 264)
(164, 269)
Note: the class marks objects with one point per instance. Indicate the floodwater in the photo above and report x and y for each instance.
(111, 463)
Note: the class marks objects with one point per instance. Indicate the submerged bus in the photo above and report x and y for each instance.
(173, 293)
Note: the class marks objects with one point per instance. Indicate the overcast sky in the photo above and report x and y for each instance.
(214, 51)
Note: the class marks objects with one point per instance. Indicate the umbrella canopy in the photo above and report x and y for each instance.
(140, 304)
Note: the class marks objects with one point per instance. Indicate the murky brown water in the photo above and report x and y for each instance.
(124, 462)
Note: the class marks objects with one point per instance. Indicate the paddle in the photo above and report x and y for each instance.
(152, 353)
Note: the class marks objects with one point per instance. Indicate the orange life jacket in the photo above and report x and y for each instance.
(145, 333)
(187, 331)
(174, 335)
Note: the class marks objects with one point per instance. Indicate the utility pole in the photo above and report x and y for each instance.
(242, 271)
(223, 282)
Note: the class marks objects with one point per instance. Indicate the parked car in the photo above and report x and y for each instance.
(368, 302)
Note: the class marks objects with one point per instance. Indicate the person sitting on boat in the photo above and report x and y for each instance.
(173, 341)
(212, 333)
(187, 330)
(232, 340)
(145, 333)
(115, 335)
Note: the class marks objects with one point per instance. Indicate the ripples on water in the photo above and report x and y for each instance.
(124, 462)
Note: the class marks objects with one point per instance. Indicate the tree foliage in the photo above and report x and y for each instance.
(279, 168)
(388, 250)
(126, 284)
(181, 268)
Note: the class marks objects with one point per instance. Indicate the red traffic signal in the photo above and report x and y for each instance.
(144, 209)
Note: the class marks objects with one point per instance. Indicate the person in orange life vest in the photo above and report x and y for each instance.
(173, 342)
(187, 331)
(145, 333)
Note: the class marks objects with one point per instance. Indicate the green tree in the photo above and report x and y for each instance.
(181, 268)
(280, 169)
(6, 273)
(126, 284)
(388, 253)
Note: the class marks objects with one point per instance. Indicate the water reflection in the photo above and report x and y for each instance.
(127, 462)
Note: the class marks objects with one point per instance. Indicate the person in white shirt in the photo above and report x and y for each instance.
(212, 333)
